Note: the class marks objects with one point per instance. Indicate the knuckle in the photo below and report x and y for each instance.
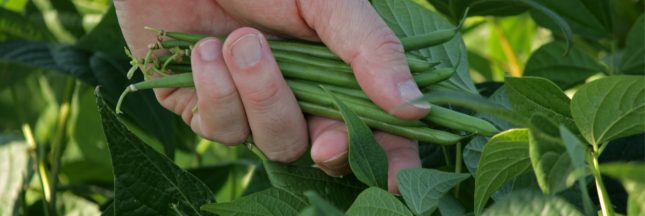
(262, 98)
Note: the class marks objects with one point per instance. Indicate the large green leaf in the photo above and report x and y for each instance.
(272, 201)
(610, 108)
(565, 70)
(531, 203)
(407, 18)
(504, 157)
(423, 188)
(319, 206)
(633, 61)
(105, 37)
(549, 157)
(576, 149)
(14, 26)
(632, 175)
(376, 202)
(13, 166)
(295, 179)
(534, 95)
(576, 13)
(367, 159)
(147, 182)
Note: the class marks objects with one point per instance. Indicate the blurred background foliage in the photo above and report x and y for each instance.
(54, 53)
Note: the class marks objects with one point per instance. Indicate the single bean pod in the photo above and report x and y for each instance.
(459, 121)
(314, 94)
(170, 81)
(423, 134)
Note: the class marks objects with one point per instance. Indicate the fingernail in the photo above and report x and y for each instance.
(336, 162)
(247, 50)
(409, 91)
(209, 50)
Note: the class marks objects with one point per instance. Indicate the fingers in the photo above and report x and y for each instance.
(197, 17)
(354, 31)
(330, 149)
(220, 115)
(329, 145)
(276, 121)
(401, 154)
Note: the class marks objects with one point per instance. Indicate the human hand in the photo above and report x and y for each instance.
(239, 88)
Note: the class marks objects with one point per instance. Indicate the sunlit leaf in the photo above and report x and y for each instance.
(531, 203)
(610, 108)
(504, 157)
(14, 159)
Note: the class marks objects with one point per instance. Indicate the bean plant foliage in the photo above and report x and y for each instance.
(538, 109)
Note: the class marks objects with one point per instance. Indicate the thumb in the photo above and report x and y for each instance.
(354, 31)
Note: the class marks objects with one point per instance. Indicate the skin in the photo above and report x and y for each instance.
(239, 88)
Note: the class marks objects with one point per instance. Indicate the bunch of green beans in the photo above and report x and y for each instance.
(308, 66)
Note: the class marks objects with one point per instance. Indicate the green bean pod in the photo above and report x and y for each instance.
(416, 133)
(431, 77)
(282, 56)
(170, 81)
(316, 95)
(459, 121)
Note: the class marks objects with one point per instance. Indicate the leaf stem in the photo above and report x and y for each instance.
(605, 202)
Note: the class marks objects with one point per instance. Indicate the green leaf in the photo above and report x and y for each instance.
(610, 108)
(504, 157)
(272, 201)
(531, 203)
(105, 37)
(582, 21)
(13, 166)
(423, 188)
(549, 158)
(407, 18)
(70, 204)
(14, 26)
(553, 19)
(633, 61)
(565, 70)
(455, 8)
(215, 176)
(99, 69)
(449, 206)
(534, 95)
(474, 102)
(632, 175)
(320, 206)
(147, 182)
(339, 191)
(376, 202)
(367, 159)
(576, 149)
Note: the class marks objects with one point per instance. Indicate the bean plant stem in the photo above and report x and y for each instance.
(36, 153)
(605, 203)
(61, 136)
(458, 166)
